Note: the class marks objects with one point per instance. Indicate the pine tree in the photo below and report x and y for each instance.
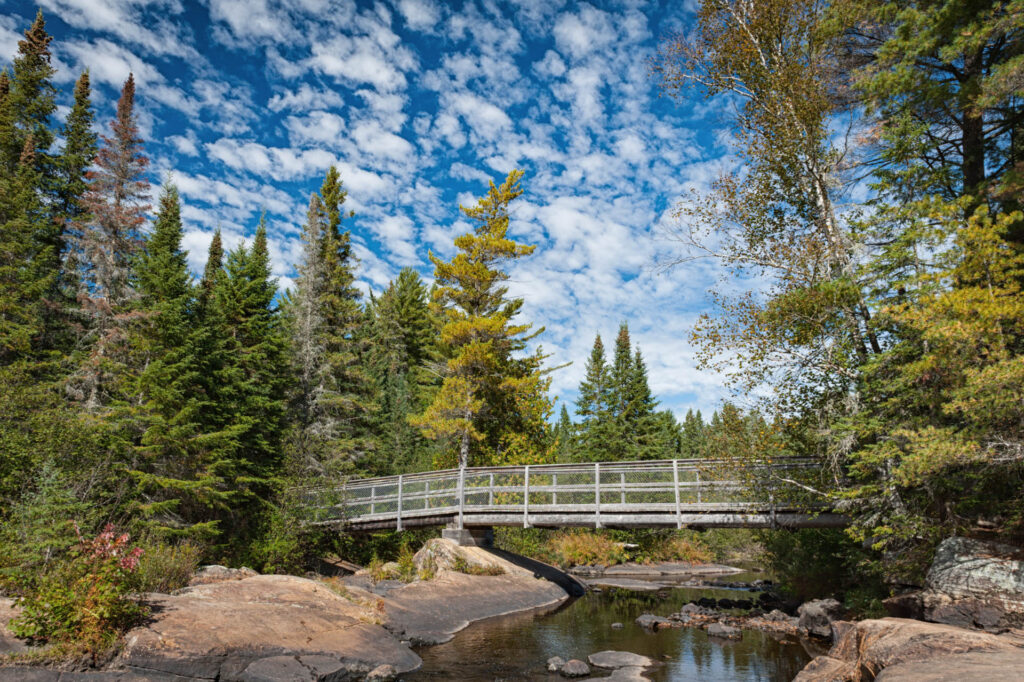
(115, 207)
(492, 406)
(594, 407)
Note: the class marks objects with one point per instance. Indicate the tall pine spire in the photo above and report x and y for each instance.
(491, 407)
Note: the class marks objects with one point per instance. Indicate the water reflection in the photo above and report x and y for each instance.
(516, 647)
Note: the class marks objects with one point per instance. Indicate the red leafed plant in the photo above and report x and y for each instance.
(85, 603)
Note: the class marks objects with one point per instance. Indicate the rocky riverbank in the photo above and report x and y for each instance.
(232, 625)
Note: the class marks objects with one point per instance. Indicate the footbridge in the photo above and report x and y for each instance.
(680, 493)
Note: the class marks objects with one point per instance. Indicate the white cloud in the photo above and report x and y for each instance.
(362, 59)
(583, 32)
(304, 98)
(419, 15)
(279, 163)
(155, 31)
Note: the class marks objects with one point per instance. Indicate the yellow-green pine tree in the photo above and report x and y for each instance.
(492, 406)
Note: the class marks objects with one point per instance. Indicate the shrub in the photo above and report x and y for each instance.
(377, 569)
(580, 548)
(681, 548)
(463, 566)
(86, 602)
(406, 571)
(165, 567)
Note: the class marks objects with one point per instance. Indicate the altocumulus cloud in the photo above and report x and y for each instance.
(418, 102)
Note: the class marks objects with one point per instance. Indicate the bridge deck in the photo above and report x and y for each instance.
(666, 493)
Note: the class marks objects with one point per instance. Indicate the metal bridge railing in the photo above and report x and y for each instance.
(665, 486)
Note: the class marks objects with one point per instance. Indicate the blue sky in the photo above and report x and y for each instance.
(420, 103)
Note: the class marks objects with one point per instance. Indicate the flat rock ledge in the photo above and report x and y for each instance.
(903, 650)
(266, 628)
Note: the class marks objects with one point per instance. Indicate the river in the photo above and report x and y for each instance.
(516, 647)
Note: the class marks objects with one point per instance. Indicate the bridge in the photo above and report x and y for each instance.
(679, 493)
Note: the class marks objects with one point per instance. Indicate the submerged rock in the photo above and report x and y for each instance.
(649, 621)
(575, 668)
(555, 664)
(618, 659)
(724, 631)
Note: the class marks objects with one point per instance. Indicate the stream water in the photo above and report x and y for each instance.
(516, 647)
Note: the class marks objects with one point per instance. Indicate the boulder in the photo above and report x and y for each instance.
(618, 659)
(617, 626)
(903, 649)
(724, 631)
(978, 584)
(555, 664)
(207, 575)
(440, 554)
(651, 622)
(816, 616)
(575, 668)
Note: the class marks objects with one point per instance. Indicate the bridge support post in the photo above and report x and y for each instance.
(597, 494)
(469, 537)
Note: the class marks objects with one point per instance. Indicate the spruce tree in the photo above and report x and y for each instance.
(402, 344)
(492, 406)
(111, 238)
(254, 380)
(564, 437)
(317, 405)
(344, 339)
(32, 96)
(179, 489)
(21, 287)
(694, 438)
(211, 272)
(650, 434)
(75, 158)
(594, 407)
